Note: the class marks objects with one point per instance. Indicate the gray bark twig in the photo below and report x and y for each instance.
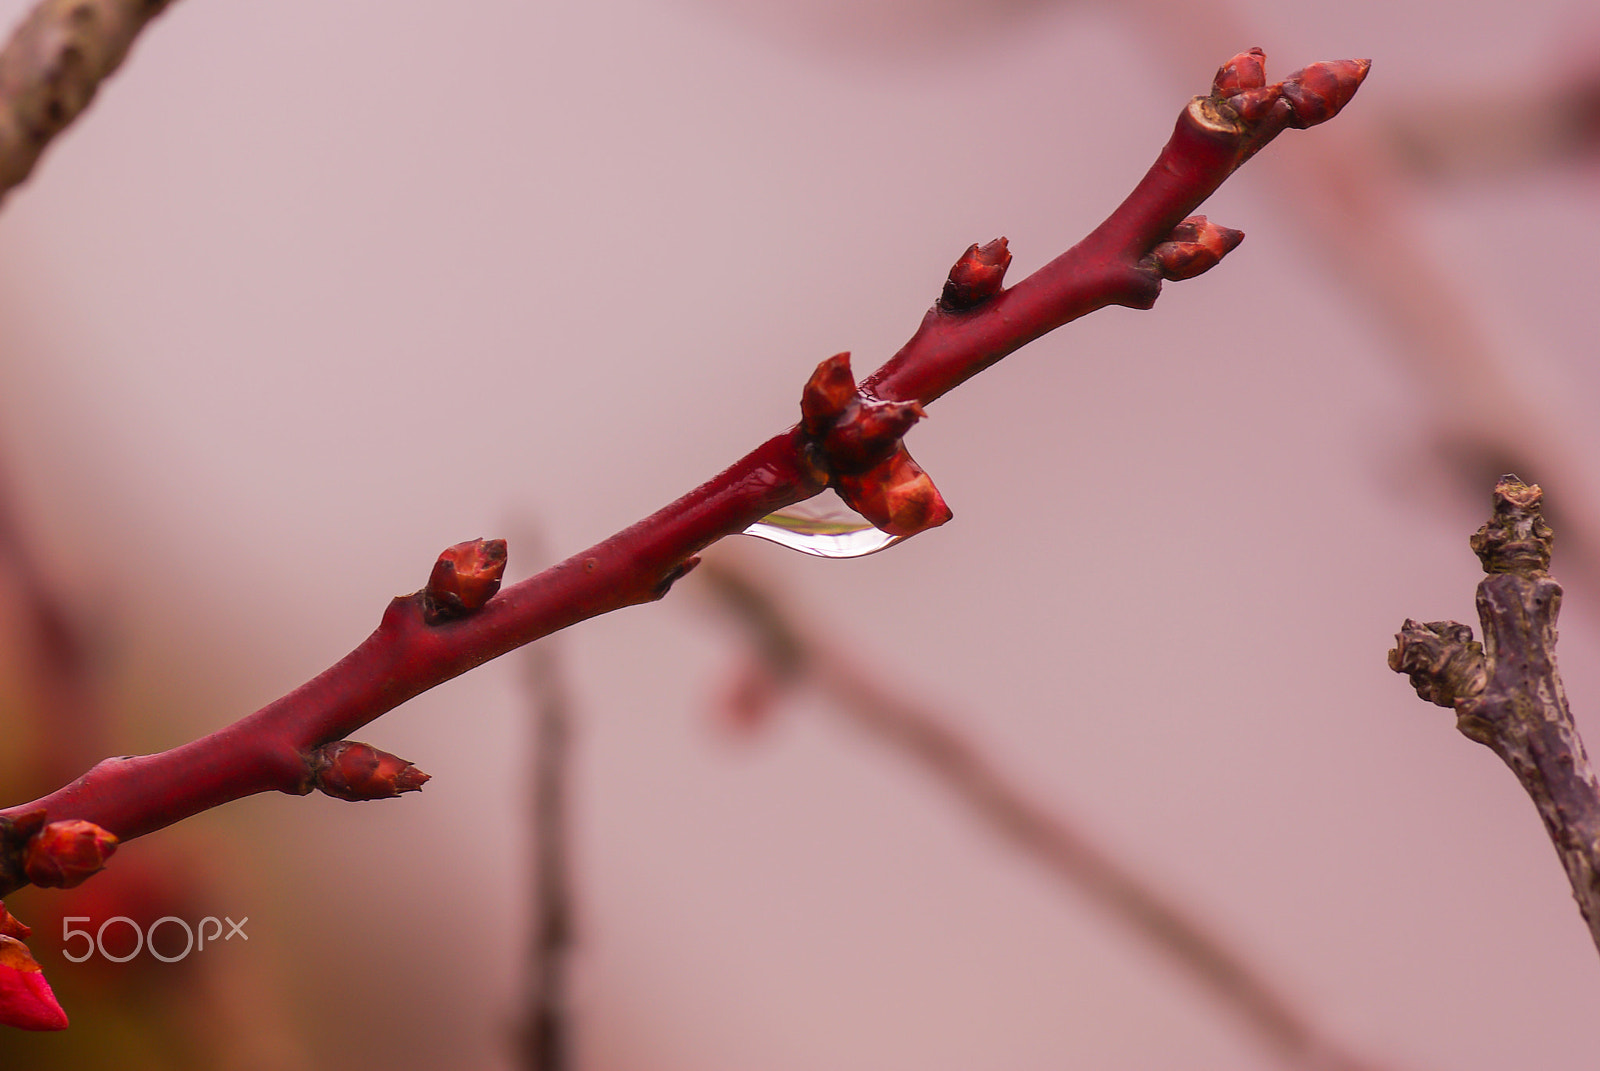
(1506, 693)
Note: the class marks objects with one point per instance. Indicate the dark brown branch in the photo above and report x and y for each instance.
(794, 654)
(51, 67)
(1507, 694)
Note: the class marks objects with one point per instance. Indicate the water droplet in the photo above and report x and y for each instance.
(823, 526)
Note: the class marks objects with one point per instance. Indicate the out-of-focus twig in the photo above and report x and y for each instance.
(1506, 131)
(52, 658)
(545, 1039)
(1506, 692)
(792, 654)
(51, 67)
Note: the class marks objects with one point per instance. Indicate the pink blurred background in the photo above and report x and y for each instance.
(314, 291)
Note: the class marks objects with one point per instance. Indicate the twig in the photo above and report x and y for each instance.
(546, 1038)
(55, 659)
(793, 653)
(1506, 692)
(51, 67)
(1123, 262)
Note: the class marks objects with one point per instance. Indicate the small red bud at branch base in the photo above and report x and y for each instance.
(1197, 245)
(26, 1001)
(349, 770)
(465, 577)
(64, 854)
(976, 277)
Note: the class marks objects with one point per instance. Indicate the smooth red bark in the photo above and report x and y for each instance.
(269, 750)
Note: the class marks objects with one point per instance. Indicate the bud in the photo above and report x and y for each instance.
(64, 854)
(897, 496)
(867, 434)
(1318, 92)
(11, 926)
(1252, 105)
(1247, 70)
(1195, 246)
(828, 393)
(977, 276)
(26, 1001)
(348, 770)
(465, 577)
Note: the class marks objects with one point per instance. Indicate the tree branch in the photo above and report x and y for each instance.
(51, 67)
(791, 654)
(1123, 262)
(1506, 693)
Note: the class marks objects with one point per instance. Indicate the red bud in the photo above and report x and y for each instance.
(349, 770)
(465, 577)
(897, 496)
(11, 926)
(829, 391)
(1247, 70)
(1316, 93)
(1195, 246)
(26, 1001)
(977, 276)
(68, 853)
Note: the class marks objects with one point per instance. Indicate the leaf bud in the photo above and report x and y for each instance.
(349, 770)
(68, 853)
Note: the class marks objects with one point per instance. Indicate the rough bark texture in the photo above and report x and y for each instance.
(51, 67)
(1507, 694)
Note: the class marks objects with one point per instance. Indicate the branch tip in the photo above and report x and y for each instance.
(1317, 93)
(351, 770)
(1516, 539)
(976, 277)
(465, 577)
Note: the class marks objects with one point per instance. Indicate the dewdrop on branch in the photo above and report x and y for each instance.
(64, 854)
(350, 770)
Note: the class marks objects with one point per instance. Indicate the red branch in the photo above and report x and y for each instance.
(1123, 262)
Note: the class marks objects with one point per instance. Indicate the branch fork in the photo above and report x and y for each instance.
(1506, 692)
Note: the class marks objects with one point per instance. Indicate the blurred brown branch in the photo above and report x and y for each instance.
(49, 71)
(791, 654)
